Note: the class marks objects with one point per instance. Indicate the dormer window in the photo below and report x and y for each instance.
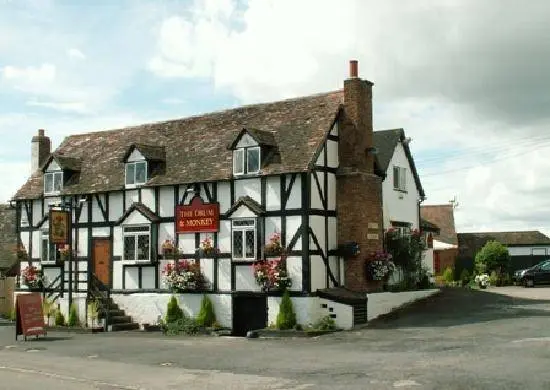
(136, 173)
(246, 160)
(53, 182)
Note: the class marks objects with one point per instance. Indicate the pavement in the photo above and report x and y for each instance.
(460, 339)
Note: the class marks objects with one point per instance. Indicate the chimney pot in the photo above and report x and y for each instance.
(41, 132)
(353, 69)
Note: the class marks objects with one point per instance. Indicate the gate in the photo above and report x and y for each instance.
(249, 313)
(7, 287)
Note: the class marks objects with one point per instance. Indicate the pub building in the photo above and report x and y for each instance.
(220, 190)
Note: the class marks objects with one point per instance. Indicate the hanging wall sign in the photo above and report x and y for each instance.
(60, 227)
(198, 217)
(29, 320)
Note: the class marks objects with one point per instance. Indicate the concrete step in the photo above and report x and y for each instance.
(125, 326)
(122, 319)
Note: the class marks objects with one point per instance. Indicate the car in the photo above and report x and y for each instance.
(518, 274)
(537, 274)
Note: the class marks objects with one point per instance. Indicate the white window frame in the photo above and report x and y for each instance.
(146, 231)
(135, 183)
(57, 175)
(45, 240)
(243, 168)
(401, 174)
(243, 229)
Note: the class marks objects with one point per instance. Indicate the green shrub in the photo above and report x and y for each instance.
(13, 314)
(184, 325)
(325, 323)
(206, 316)
(286, 319)
(465, 277)
(492, 257)
(298, 327)
(173, 311)
(73, 315)
(59, 318)
(448, 275)
(93, 311)
(493, 278)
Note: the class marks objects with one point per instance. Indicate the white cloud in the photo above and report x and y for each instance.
(77, 107)
(75, 54)
(30, 78)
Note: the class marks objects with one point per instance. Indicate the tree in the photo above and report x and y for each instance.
(492, 257)
(206, 315)
(286, 319)
(173, 311)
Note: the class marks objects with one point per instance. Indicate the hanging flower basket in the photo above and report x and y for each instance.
(271, 275)
(379, 265)
(207, 248)
(32, 278)
(274, 247)
(183, 275)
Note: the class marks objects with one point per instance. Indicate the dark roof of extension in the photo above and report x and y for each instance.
(470, 243)
(386, 141)
(196, 147)
(443, 217)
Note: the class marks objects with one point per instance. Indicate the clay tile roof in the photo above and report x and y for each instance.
(443, 217)
(64, 162)
(263, 137)
(196, 147)
(385, 142)
(150, 152)
(428, 226)
(532, 237)
(8, 238)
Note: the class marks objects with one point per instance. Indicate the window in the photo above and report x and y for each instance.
(50, 252)
(399, 178)
(244, 239)
(246, 160)
(136, 173)
(53, 182)
(137, 243)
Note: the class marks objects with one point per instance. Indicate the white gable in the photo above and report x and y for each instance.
(135, 218)
(246, 141)
(53, 166)
(136, 156)
(243, 212)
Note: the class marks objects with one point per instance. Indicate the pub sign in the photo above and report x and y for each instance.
(198, 217)
(60, 227)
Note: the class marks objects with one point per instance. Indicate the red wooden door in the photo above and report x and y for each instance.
(101, 258)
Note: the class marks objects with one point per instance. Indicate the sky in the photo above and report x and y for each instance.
(466, 79)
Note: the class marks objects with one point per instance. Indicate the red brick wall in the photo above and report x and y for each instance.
(359, 190)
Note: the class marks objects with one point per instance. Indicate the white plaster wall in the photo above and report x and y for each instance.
(82, 242)
(131, 197)
(273, 193)
(135, 156)
(51, 274)
(342, 272)
(37, 212)
(207, 269)
(293, 223)
(145, 308)
(36, 244)
(115, 206)
(318, 273)
(294, 269)
(344, 313)
(243, 212)
(317, 224)
(224, 237)
(166, 202)
(117, 241)
(334, 130)
(244, 278)
(428, 260)
(246, 140)
(162, 265)
(165, 232)
(400, 206)
(25, 241)
(306, 309)
(148, 277)
(272, 225)
(334, 263)
(248, 187)
(315, 200)
(331, 191)
(131, 278)
(295, 199)
(84, 213)
(101, 232)
(135, 218)
(224, 274)
(332, 154)
(187, 242)
(148, 198)
(332, 233)
(386, 302)
(224, 196)
(527, 250)
(97, 216)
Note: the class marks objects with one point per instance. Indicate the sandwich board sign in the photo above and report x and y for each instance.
(29, 319)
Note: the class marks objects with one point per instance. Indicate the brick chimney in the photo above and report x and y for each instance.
(359, 189)
(40, 150)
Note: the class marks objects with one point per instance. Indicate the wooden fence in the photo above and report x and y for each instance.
(7, 287)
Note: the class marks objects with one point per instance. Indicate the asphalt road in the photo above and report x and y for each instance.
(460, 339)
